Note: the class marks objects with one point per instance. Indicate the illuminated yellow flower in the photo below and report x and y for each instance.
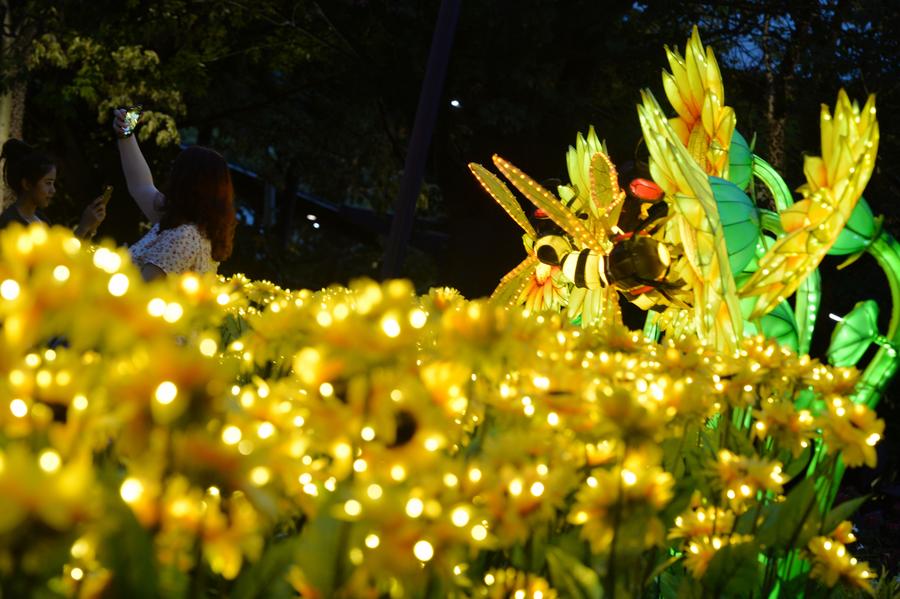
(832, 563)
(741, 477)
(444, 297)
(84, 583)
(500, 584)
(46, 486)
(847, 136)
(695, 228)
(545, 289)
(622, 503)
(694, 88)
(524, 480)
(700, 522)
(701, 551)
(833, 381)
(790, 428)
(844, 533)
(853, 430)
(835, 182)
(228, 540)
(622, 413)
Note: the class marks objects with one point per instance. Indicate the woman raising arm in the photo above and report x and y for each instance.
(193, 219)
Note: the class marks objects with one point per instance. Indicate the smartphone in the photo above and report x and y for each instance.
(107, 194)
(132, 115)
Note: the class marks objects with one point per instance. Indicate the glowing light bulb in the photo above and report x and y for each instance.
(423, 551)
(49, 461)
(18, 408)
(231, 435)
(414, 507)
(460, 516)
(61, 273)
(208, 347)
(352, 507)
(131, 490)
(166, 392)
(9, 290)
(118, 284)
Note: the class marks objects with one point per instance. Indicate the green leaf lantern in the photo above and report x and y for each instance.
(740, 222)
(854, 334)
(779, 324)
(740, 161)
(762, 246)
(858, 233)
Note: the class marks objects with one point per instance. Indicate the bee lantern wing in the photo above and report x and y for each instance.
(510, 287)
(567, 220)
(606, 196)
(501, 193)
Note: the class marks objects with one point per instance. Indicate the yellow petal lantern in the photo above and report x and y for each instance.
(834, 183)
(696, 227)
(694, 88)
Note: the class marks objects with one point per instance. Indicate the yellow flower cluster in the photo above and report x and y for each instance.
(832, 563)
(390, 442)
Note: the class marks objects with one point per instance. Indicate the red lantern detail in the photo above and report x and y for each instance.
(646, 190)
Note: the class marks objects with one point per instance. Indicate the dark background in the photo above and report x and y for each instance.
(316, 100)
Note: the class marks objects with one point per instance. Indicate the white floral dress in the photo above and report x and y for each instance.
(181, 249)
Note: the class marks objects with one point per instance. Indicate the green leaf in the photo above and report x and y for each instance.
(781, 325)
(260, 579)
(690, 589)
(662, 568)
(733, 571)
(841, 513)
(794, 587)
(794, 466)
(859, 231)
(127, 550)
(233, 327)
(518, 559)
(571, 577)
(794, 521)
(538, 558)
(671, 580)
(853, 334)
(319, 553)
(740, 161)
(740, 222)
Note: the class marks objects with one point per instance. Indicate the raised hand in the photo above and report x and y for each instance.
(119, 123)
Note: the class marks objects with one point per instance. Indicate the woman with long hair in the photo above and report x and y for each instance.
(31, 175)
(193, 218)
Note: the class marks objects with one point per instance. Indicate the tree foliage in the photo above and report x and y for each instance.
(323, 95)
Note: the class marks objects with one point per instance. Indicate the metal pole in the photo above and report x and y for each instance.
(426, 115)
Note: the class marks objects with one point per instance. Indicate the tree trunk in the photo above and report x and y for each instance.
(288, 206)
(12, 101)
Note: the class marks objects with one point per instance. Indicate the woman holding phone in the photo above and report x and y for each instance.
(193, 217)
(31, 175)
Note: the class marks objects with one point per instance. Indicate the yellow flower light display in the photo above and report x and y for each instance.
(695, 90)
(695, 228)
(834, 183)
(832, 563)
(362, 441)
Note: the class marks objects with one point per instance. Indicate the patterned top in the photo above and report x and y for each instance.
(12, 215)
(175, 251)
